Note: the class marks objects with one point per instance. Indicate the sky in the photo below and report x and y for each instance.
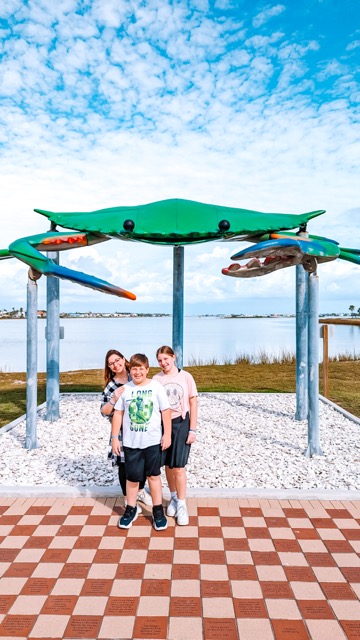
(233, 102)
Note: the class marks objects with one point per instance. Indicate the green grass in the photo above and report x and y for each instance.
(242, 376)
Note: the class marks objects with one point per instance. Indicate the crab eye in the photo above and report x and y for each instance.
(224, 225)
(129, 225)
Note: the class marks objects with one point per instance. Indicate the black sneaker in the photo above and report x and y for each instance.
(129, 516)
(159, 520)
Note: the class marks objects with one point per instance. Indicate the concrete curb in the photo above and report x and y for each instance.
(335, 406)
(240, 493)
(17, 421)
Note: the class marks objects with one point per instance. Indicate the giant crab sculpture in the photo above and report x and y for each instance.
(179, 222)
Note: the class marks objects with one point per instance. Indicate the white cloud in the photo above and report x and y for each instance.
(125, 103)
(267, 13)
(332, 68)
(353, 45)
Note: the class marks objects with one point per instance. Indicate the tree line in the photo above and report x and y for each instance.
(352, 310)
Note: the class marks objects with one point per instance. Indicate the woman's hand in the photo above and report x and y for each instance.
(117, 393)
(115, 445)
(191, 437)
(165, 442)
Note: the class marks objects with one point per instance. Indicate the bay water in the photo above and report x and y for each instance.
(206, 339)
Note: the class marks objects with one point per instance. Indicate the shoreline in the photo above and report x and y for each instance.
(348, 321)
(114, 316)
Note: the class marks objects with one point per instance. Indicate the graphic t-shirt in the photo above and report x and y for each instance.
(142, 406)
(179, 388)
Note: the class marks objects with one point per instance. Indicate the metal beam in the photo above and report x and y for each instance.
(52, 344)
(31, 360)
(313, 358)
(178, 304)
(302, 280)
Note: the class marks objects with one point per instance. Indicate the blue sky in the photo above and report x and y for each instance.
(248, 104)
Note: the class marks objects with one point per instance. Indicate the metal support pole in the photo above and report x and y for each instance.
(52, 344)
(325, 337)
(313, 381)
(31, 361)
(178, 305)
(302, 280)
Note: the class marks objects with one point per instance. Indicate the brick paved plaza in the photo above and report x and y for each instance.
(242, 570)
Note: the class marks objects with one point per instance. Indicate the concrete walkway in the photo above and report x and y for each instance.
(244, 569)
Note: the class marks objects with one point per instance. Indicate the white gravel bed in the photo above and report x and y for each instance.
(244, 440)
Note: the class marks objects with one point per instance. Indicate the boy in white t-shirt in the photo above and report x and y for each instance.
(139, 412)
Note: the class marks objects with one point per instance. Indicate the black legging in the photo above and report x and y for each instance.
(122, 478)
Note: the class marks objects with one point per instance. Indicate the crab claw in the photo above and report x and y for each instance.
(279, 252)
(234, 267)
(26, 250)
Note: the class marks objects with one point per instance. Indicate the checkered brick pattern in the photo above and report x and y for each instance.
(241, 570)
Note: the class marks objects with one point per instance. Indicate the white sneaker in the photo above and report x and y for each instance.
(145, 497)
(172, 507)
(182, 516)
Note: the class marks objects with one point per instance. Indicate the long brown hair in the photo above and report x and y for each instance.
(108, 374)
(165, 349)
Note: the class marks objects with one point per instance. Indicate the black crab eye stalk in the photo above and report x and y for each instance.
(129, 225)
(224, 225)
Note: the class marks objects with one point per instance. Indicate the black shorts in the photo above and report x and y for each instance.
(177, 455)
(140, 463)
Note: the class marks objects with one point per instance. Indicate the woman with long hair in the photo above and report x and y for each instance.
(182, 394)
(116, 375)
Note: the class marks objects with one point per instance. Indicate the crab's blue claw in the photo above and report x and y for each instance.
(26, 250)
(279, 252)
(86, 280)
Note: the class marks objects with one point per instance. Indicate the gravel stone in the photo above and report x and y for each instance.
(244, 440)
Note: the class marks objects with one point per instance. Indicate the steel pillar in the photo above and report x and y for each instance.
(52, 343)
(31, 360)
(313, 368)
(302, 281)
(178, 304)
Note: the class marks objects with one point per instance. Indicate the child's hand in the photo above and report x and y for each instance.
(115, 445)
(165, 442)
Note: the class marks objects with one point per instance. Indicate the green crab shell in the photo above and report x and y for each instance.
(178, 222)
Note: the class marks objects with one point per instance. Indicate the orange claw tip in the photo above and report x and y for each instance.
(128, 294)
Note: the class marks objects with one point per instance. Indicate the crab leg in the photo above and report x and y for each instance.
(27, 250)
(5, 254)
(351, 255)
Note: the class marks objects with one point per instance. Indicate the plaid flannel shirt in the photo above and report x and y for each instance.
(106, 397)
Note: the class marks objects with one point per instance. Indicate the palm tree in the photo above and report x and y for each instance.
(352, 309)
